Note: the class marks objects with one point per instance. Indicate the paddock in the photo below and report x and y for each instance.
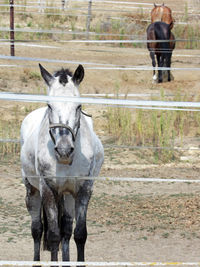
(136, 221)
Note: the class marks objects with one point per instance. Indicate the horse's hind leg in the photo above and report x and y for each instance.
(152, 55)
(81, 205)
(33, 203)
(168, 64)
(160, 61)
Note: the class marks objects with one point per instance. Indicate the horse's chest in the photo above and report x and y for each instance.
(60, 175)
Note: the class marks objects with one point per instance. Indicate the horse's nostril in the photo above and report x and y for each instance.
(70, 151)
(64, 152)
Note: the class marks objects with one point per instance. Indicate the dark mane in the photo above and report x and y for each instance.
(62, 74)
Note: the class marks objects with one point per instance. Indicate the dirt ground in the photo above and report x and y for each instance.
(127, 221)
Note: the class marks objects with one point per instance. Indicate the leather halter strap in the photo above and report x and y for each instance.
(88, 115)
(60, 125)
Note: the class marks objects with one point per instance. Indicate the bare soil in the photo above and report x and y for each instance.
(135, 221)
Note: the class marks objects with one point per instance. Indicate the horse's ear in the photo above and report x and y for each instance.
(155, 5)
(78, 75)
(163, 4)
(45, 75)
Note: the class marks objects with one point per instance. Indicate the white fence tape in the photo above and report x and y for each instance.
(109, 178)
(122, 179)
(17, 141)
(120, 10)
(108, 66)
(3, 29)
(98, 101)
(90, 263)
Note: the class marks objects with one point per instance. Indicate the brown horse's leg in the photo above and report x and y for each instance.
(152, 55)
(160, 61)
(168, 61)
(33, 203)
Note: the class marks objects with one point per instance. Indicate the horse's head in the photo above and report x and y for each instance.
(64, 117)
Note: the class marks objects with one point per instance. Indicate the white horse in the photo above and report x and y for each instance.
(59, 141)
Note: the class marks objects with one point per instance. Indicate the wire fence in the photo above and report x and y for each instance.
(89, 263)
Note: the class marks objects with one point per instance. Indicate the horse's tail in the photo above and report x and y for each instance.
(162, 34)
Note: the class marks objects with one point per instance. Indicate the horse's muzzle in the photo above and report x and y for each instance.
(64, 155)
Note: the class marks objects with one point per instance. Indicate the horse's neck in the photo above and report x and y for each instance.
(44, 126)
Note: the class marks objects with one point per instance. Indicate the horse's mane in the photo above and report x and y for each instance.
(62, 74)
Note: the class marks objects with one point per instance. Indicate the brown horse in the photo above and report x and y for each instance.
(162, 13)
(160, 33)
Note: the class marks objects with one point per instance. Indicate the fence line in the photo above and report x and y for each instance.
(73, 9)
(85, 15)
(17, 141)
(98, 101)
(70, 32)
(90, 263)
(97, 68)
(109, 66)
(97, 1)
(108, 10)
(111, 178)
(46, 13)
(127, 95)
(21, 43)
(4, 29)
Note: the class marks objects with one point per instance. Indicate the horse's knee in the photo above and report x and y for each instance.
(53, 240)
(66, 227)
(36, 230)
(80, 234)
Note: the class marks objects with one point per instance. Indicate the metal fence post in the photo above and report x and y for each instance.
(88, 18)
(12, 32)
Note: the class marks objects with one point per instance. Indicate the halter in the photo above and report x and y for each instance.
(60, 125)
(65, 126)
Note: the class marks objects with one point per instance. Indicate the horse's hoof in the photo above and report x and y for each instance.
(154, 77)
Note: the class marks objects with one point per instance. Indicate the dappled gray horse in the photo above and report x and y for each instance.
(59, 141)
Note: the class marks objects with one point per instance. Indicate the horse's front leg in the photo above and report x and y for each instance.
(81, 205)
(51, 228)
(33, 204)
(160, 61)
(168, 64)
(67, 225)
